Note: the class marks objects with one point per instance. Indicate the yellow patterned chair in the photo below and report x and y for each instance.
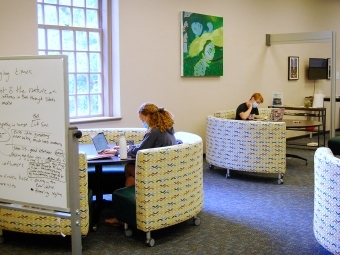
(112, 134)
(113, 174)
(251, 146)
(27, 222)
(168, 190)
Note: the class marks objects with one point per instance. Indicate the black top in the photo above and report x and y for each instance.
(243, 108)
(154, 139)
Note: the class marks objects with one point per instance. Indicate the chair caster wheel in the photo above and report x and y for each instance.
(94, 228)
(197, 221)
(280, 181)
(128, 232)
(150, 242)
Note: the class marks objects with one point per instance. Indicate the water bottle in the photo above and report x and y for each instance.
(122, 146)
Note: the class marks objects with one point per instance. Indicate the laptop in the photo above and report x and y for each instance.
(276, 114)
(100, 142)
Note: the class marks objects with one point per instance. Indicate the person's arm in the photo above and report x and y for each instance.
(148, 142)
(113, 150)
(245, 115)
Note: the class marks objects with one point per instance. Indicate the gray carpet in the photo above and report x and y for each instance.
(246, 214)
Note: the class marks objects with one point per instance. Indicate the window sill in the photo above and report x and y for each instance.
(93, 120)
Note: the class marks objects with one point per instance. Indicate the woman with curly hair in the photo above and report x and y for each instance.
(160, 133)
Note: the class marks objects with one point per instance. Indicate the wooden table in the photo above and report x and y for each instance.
(98, 165)
(299, 124)
(308, 112)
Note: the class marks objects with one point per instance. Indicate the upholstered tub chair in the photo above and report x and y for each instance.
(326, 222)
(27, 222)
(250, 146)
(168, 190)
(334, 145)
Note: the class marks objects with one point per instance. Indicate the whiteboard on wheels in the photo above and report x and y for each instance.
(34, 126)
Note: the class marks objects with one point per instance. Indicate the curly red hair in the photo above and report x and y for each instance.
(159, 117)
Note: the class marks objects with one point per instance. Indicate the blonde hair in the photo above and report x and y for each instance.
(159, 117)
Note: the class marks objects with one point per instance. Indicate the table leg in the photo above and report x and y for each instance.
(99, 191)
(324, 128)
(296, 156)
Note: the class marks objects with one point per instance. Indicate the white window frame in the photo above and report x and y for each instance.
(110, 61)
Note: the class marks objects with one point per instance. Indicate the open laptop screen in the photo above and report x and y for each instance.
(100, 142)
(277, 114)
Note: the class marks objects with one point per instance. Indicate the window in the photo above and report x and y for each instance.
(75, 28)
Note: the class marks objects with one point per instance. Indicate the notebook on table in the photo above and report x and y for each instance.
(276, 114)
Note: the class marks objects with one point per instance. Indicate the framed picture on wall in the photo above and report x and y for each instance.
(293, 68)
(201, 45)
(277, 99)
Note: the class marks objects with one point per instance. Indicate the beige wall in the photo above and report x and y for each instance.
(18, 27)
(150, 54)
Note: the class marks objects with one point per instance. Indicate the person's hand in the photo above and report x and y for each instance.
(110, 151)
(249, 104)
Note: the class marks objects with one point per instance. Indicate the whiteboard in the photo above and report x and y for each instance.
(34, 126)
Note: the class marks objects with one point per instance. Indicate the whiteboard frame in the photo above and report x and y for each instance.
(65, 208)
(74, 191)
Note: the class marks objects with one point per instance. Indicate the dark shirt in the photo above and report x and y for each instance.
(243, 108)
(154, 139)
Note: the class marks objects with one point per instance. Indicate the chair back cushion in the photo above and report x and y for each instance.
(27, 222)
(169, 183)
(326, 222)
(225, 114)
(231, 114)
(253, 146)
(113, 134)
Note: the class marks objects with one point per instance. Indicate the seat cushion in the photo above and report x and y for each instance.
(124, 201)
(334, 145)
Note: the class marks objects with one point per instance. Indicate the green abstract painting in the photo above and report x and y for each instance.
(201, 44)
